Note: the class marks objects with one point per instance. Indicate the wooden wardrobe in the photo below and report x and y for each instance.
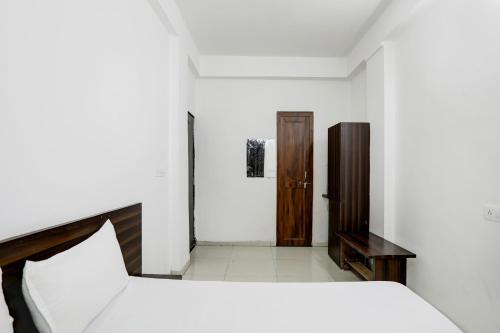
(348, 182)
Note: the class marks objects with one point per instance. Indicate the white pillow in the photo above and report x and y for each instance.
(5, 318)
(65, 292)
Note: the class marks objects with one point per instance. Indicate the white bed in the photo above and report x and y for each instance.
(157, 305)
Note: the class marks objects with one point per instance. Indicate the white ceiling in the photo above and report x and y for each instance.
(317, 28)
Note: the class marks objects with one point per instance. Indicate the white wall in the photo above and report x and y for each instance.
(367, 105)
(395, 15)
(183, 64)
(178, 180)
(358, 96)
(375, 116)
(448, 157)
(229, 206)
(272, 67)
(83, 100)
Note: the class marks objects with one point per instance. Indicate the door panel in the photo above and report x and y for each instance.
(294, 178)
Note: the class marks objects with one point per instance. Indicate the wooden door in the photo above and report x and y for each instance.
(294, 178)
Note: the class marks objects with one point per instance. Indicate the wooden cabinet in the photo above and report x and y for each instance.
(348, 182)
(350, 244)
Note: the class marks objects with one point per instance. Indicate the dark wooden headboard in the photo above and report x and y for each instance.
(40, 245)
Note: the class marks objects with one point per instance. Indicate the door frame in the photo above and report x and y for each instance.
(309, 224)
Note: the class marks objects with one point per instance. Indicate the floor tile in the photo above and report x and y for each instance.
(264, 264)
(251, 267)
(320, 253)
(345, 276)
(250, 278)
(212, 252)
(203, 277)
(252, 252)
(208, 266)
(305, 278)
(301, 270)
(335, 271)
(292, 252)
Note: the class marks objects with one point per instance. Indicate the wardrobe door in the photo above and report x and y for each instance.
(334, 191)
(333, 228)
(354, 177)
(334, 164)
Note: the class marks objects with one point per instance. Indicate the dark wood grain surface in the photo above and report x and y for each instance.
(294, 178)
(348, 182)
(350, 244)
(373, 258)
(372, 245)
(43, 244)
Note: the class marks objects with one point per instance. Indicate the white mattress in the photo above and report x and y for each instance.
(154, 305)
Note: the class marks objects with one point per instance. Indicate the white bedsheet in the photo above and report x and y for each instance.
(154, 305)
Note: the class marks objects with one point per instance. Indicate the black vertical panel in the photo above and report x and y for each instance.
(192, 238)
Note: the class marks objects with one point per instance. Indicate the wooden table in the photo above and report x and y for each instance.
(373, 258)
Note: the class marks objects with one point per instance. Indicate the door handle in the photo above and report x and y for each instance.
(305, 183)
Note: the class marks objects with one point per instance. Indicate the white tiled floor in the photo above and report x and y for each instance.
(264, 264)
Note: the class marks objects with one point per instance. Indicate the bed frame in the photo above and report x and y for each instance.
(42, 244)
